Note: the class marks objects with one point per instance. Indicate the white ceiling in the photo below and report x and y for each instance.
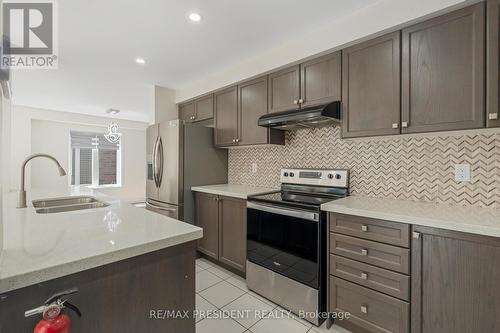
(100, 39)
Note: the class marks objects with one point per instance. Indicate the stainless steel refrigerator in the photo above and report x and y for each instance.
(180, 156)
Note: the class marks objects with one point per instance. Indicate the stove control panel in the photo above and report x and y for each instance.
(334, 178)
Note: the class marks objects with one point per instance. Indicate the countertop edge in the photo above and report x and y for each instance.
(219, 192)
(54, 272)
(426, 222)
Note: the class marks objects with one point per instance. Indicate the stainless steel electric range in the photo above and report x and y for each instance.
(287, 237)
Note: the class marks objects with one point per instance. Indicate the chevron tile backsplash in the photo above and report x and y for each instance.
(419, 168)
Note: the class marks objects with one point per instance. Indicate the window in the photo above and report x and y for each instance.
(94, 160)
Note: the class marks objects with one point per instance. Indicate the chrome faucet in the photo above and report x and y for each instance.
(21, 199)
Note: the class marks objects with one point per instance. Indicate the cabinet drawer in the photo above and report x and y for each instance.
(378, 230)
(382, 255)
(388, 282)
(369, 310)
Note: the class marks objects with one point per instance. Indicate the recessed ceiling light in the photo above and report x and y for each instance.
(140, 61)
(112, 111)
(195, 17)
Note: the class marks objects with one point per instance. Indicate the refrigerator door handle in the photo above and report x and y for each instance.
(161, 208)
(159, 159)
(155, 173)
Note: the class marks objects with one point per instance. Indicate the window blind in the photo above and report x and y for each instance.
(91, 140)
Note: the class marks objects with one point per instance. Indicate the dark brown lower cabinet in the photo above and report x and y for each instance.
(223, 220)
(455, 282)
(207, 217)
(233, 232)
(125, 296)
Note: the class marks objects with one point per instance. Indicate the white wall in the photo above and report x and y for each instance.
(37, 131)
(163, 104)
(374, 19)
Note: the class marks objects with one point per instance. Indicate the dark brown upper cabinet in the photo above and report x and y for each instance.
(454, 281)
(226, 117)
(371, 87)
(493, 60)
(443, 72)
(252, 103)
(284, 89)
(200, 109)
(187, 111)
(320, 80)
(204, 108)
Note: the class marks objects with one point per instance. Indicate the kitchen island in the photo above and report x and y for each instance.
(128, 263)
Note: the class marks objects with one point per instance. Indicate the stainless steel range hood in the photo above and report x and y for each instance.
(315, 116)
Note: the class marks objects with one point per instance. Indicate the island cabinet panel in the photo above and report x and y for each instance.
(493, 62)
(320, 80)
(207, 217)
(371, 87)
(454, 282)
(124, 296)
(204, 108)
(226, 117)
(224, 223)
(284, 89)
(443, 72)
(233, 232)
(187, 111)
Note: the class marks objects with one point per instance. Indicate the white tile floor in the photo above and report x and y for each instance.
(219, 289)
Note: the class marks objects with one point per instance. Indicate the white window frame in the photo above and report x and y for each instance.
(95, 168)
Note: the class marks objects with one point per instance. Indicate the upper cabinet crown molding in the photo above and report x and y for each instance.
(492, 58)
(371, 87)
(444, 72)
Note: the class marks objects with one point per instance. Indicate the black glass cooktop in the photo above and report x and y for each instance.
(297, 199)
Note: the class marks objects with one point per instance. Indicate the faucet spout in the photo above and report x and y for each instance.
(21, 200)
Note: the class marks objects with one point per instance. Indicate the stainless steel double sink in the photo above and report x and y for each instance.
(67, 204)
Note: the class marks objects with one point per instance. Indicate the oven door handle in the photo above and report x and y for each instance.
(284, 211)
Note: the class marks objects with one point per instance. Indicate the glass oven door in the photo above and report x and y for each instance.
(284, 240)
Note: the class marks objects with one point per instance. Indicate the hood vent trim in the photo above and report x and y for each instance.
(311, 117)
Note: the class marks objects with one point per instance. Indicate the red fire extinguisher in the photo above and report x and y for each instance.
(53, 320)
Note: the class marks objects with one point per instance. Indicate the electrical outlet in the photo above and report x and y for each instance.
(254, 167)
(462, 172)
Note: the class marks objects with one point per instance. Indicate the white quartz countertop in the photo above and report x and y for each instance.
(233, 190)
(481, 221)
(40, 247)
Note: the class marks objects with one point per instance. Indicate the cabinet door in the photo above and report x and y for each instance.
(204, 107)
(252, 103)
(187, 111)
(233, 232)
(443, 72)
(284, 89)
(454, 282)
(226, 117)
(207, 217)
(493, 61)
(320, 80)
(371, 87)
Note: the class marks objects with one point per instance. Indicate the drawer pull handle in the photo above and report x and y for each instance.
(364, 276)
(364, 309)
(276, 263)
(364, 252)
(364, 228)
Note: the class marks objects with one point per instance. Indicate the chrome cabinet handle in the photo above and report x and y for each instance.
(234, 140)
(301, 101)
(364, 308)
(237, 140)
(295, 101)
(404, 124)
(364, 276)
(395, 125)
(416, 235)
(364, 252)
(364, 228)
(493, 116)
